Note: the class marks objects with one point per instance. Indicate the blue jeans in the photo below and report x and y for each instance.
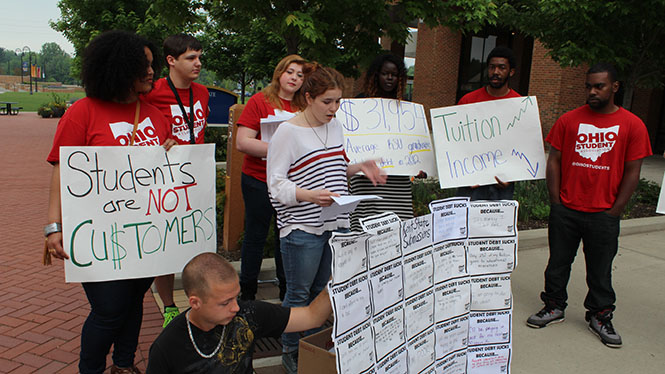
(599, 232)
(116, 313)
(307, 260)
(258, 213)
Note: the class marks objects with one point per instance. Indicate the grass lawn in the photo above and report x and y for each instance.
(31, 103)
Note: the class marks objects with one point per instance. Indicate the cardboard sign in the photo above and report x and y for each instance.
(394, 131)
(134, 212)
(476, 142)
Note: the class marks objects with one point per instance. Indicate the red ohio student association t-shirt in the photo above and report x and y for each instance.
(256, 109)
(481, 95)
(594, 148)
(93, 122)
(162, 97)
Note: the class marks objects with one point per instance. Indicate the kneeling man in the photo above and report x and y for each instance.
(217, 333)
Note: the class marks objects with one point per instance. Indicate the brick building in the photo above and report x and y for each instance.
(449, 64)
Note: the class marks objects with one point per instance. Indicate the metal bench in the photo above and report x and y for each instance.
(16, 110)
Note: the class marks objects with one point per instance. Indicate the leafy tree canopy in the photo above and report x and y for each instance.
(627, 33)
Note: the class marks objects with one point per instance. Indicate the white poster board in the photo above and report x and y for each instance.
(660, 208)
(476, 142)
(394, 131)
(134, 212)
(440, 303)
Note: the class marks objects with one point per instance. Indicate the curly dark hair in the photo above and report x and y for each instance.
(112, 62)
(371, 84)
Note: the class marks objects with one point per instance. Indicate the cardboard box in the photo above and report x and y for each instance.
(314, 356)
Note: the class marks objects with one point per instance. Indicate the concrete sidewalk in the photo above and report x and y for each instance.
(569, 347)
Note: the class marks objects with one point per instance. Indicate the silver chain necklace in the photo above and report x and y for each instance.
(325, 144)
(191, 337)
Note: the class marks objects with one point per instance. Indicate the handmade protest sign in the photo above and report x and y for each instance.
(133, 212)
(427, 295)
(394, 131)
(476, 142)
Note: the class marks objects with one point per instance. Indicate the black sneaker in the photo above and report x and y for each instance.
(601, 325)
(545, 317)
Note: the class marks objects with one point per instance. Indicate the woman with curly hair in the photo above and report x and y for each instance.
(277, 100)
(117, 68)
(385, 78)
(307, 166)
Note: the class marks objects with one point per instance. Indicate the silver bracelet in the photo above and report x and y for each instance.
(52, 228)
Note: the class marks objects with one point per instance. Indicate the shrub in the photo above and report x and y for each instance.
(55, 108)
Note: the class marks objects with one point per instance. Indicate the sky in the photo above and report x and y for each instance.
(26, 23)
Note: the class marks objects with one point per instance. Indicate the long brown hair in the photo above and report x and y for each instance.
(271, 92)
(319, 79)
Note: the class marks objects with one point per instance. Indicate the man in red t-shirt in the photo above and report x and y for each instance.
(185, 105)
(593, 168)
(501, 65)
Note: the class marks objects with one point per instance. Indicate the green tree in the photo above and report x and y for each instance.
(56, 63)
(82, 20)
(344, 33)
(627, 33)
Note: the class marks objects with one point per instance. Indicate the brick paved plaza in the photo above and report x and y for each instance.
(40, 315)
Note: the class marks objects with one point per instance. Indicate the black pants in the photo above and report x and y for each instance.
(599, 233)
(258, 213)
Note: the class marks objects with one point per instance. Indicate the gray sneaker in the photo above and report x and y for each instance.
(601, 325)
(290, 362)
(544, 317)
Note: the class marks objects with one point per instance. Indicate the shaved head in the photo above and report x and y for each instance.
(206, 269)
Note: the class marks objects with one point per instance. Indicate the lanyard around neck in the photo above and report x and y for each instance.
(189, 119)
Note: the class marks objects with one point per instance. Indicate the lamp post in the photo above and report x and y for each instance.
(26, 49)
(19, 52)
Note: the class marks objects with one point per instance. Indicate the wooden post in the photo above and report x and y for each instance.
(234, 206)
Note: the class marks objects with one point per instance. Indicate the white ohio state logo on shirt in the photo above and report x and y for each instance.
(180, 128)
(145, 132)
(592, 141)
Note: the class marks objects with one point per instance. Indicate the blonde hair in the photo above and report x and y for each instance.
(271, 92)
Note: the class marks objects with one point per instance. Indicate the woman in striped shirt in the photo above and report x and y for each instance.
(306, 167)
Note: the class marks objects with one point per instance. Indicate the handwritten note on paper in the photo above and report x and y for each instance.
(454, 363)
(453, 298)
(394, 131)
(421, 351)
(491, 292)
(419, 311)
(492, 219)
(350, 255)
(351, 303)
(476, 142)
(136, 212)
(494, 255)
(451, 335)
(384, 246)
(389, 331)
(490, 327)
(450, 218)
(357, 346)
(395, 363)
(418, 272)
(387, 285)
(416, 233)
(488, 359)
(449, 260)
